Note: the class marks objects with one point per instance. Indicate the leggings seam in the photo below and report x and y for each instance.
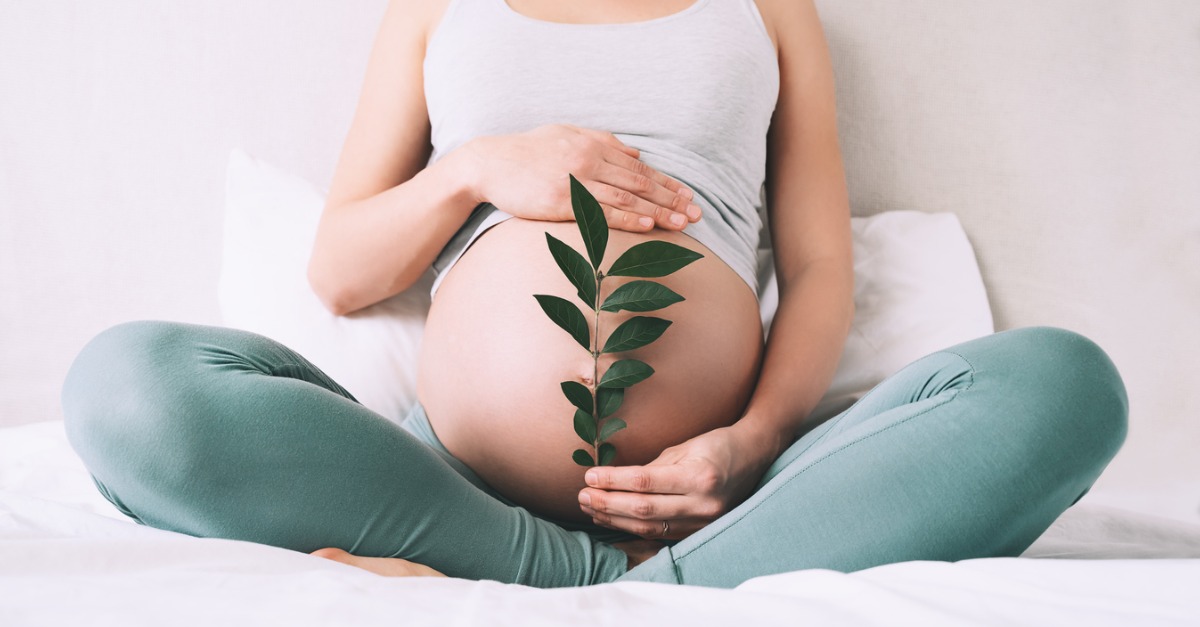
(951, 397)
(868, 393)
(824, 436)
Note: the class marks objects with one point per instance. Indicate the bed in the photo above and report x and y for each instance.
(68, 557)
(1009, 164)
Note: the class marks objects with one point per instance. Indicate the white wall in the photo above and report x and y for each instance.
(116, 119)
(1064, 134)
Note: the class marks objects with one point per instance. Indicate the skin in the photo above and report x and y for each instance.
(382, 167)
(494, 401)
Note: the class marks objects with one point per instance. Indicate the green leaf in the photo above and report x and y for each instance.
(653, 259)
(578, 394)
(609, 400)
(582, 457)
(625, 373)
(585, 427)
(578, 272)
(567, 316)
(590, 218)
(640, 296)
(634, 333)
(607, 453)
(611, 426)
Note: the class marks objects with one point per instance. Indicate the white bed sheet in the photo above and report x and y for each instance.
(68, 557)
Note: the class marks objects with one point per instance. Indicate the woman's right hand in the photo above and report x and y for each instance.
(525, 175)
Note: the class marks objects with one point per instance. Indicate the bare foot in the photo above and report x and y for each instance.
(639, 551)
(386, 566)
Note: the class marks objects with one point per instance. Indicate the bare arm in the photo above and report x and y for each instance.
(810, 232)
(386, 218)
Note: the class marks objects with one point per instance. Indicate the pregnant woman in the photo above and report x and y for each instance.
(673, 114)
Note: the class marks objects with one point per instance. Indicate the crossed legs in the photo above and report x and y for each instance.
(968, 452)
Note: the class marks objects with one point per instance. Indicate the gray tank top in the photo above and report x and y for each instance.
(694, 91)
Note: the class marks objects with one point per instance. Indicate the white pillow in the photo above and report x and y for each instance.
(917, 290)
(270, 223)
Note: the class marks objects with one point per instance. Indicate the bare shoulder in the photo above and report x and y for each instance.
(790, 23)
(388, 140)
(808, 205)
(422, 16)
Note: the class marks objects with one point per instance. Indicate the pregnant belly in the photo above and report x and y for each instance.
(491, 362)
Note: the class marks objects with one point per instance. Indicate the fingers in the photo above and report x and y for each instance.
(648, 182)
(636, 166)
(610, 139)
(619, 208)
(635, 169)
(624, 201)
(643, 193)
(636, 187)
(644, 514)
(626, 220)
(653, 478)
(677, 528)
(649, 506)
(619, 201)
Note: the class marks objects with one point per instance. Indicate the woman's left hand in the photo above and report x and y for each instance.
(688, 486)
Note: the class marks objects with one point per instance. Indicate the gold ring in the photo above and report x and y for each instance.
(666, 528)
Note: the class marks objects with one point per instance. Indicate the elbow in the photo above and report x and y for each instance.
(324, 279)
(342, 297)
(333, 295)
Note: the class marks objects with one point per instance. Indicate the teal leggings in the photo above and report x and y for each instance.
(968, 452)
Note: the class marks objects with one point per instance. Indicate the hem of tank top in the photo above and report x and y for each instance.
(486, 224)
(485, 227)
(752, 287)
(694, 7)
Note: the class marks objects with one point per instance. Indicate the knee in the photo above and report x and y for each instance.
(117, 384)
(1081, 384)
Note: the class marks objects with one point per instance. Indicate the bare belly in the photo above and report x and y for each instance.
(491, 362)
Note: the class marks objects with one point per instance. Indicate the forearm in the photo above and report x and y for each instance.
(370, 249)
(805, 343)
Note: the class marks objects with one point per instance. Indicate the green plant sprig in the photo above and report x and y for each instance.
(595, 405)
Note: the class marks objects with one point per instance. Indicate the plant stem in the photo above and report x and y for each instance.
(596, 373)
